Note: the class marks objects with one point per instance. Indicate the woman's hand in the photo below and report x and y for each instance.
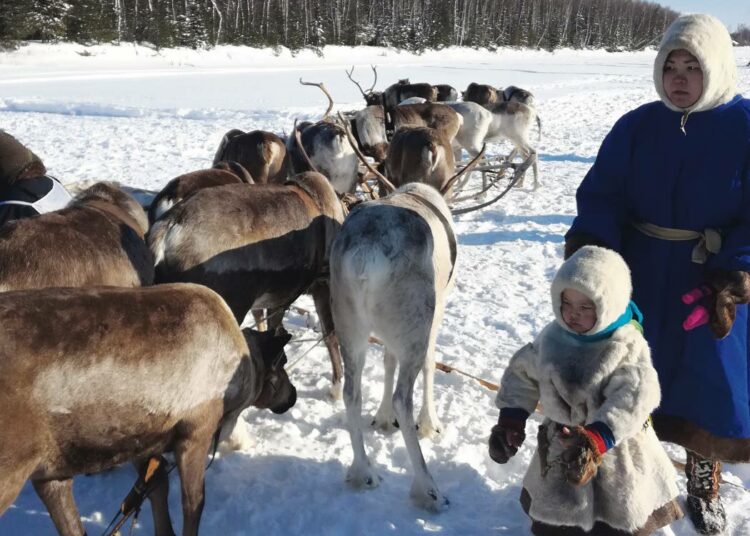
(718, 300)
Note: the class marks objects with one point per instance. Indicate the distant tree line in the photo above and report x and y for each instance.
(742, 35)
(407, 24)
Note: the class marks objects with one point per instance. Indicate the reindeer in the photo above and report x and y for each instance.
(96, 240)
(261, 153)
(436, 116)
(503, 120)
(392, 265)
(92, 378)
(419, 154)
(401, 90)
(416, 155)
(516, 94)
(368, 128)
(481, 94)
(446, 93)
(180, 187)
(326, 148)
(258, 245)
(395, 93)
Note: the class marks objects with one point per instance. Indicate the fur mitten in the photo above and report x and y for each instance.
(581, 457)
(506, 437)
(731, 288)
(575, 241)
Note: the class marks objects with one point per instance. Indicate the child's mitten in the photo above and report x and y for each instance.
(581, 456)
(506, 437)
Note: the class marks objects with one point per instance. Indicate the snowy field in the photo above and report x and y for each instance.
(142, 117)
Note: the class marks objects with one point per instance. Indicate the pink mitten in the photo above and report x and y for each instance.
(697, 317)
(696, 294)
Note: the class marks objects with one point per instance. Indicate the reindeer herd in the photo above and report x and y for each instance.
(119, 331)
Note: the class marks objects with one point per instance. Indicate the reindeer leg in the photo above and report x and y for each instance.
(57, 496)
(190, 455)
(260, 320)
(424, 491)
(361, 473)
(13, 476)
(385, 418)
(534, 155)
(275, 317)
(159, 501)
(321, 294)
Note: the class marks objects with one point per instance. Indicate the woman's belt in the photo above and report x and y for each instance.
(709, 240)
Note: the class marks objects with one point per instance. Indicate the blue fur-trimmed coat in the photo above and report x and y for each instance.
(648, 169)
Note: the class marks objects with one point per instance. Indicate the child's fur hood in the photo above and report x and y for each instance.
(602, 275)
(706, 38)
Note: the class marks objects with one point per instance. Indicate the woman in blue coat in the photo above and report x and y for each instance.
(670, 190)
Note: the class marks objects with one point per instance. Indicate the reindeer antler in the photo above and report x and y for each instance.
(305, 156)
(324, 90)
(349, 75)
(374, 70)
(388, 185)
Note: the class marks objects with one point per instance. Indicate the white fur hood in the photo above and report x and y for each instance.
(706, 38)
(602, 275)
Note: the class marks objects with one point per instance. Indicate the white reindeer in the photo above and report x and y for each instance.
(503, 120)
(392, 264)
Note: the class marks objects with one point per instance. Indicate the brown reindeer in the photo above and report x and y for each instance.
(482, 94)
(261, 153)
(96, 240)
(446, 93)
(419, 154)
(395, 93)
(259, 246)
(180, 187)
(436, 116)
(91, 378)
(368, 126)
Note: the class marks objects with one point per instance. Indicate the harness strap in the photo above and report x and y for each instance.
(709, 241)
(452, 243)
(57, 198)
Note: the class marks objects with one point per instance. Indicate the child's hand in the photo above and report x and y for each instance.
(581, 456)
(506, 437)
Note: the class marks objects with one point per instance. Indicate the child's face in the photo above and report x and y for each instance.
(682, 78)
(577, 310)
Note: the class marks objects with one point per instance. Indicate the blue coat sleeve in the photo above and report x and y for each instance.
(601, 196)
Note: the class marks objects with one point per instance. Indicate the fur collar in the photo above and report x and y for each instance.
(706, 38)
(602, 275)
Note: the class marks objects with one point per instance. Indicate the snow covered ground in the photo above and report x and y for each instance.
(141, 117)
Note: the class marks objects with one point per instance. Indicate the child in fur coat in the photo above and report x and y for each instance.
(599, 468)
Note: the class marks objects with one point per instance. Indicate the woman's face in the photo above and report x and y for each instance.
(682, 78)
(577, 310)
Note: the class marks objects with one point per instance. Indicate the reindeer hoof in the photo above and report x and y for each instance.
(386, 426)
(337, 391)
(430, 499)
(362, 478)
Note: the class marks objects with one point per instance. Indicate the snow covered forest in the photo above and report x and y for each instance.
(413, 25)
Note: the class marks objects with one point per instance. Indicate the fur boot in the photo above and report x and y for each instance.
(703, 501)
